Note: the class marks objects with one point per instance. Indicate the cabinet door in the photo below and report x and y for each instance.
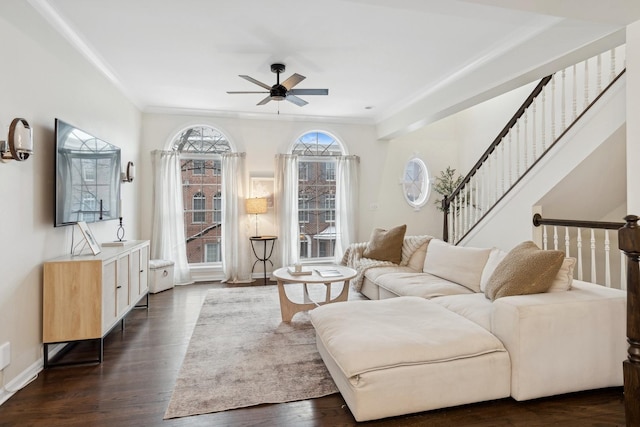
(122, 288)
(134, 285)
(109, 284)
(144, 269)
(71, 301)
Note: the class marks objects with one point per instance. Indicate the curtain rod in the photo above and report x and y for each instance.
(291, 156)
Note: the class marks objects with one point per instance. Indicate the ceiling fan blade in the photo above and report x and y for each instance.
(293, 80)
(244, 91)
(264, 101)
(309, 91)
(252, 80)
(298, 101)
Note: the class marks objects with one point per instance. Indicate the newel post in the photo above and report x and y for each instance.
(445, 209)
(629, 242)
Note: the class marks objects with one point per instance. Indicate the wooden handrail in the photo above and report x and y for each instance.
(538, 221)
(629, 243)
(504, 132)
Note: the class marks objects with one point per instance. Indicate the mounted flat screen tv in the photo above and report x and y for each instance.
(87, 177)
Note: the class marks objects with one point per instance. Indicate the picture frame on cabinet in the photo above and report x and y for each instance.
(89, 237)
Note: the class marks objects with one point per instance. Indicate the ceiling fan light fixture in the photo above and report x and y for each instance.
(278, 93)
(283, 91)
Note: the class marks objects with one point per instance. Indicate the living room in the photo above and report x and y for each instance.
(48, 78)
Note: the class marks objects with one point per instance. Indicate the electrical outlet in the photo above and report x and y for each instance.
(5, 355)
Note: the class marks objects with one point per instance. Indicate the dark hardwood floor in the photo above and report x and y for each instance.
(133, 385)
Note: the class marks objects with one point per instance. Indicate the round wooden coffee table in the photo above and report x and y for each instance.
(288, 308)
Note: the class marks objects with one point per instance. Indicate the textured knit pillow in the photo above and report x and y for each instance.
(386, 245)
(526, 269)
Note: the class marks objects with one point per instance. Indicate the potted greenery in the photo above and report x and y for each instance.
(445, 184)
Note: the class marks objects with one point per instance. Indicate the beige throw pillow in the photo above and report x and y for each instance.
(526, 269)
(386, 245)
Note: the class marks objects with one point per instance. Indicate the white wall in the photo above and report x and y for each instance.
(479, 125)
(42, 78)
(633, 112)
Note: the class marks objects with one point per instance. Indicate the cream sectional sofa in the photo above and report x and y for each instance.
(430, 338)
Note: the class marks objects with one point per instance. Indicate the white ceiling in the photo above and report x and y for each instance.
(378, 58)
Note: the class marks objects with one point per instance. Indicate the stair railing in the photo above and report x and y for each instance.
(629, 238)
(590, 242)
(553, 107)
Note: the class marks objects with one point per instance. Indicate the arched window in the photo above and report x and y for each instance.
(317, 153)
(200, 150)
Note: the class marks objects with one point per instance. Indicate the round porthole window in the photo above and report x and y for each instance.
(415, 183)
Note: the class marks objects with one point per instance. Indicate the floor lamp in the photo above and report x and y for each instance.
(255, 206)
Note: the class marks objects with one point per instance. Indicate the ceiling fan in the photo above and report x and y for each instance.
(284, 90)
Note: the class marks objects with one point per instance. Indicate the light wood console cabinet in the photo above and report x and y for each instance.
(85, 296)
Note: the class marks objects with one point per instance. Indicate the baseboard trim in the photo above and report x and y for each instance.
(26, 376)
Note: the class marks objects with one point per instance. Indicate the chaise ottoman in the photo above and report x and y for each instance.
(407, 354)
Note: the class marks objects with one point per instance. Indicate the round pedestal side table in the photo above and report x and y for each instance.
(267, 251)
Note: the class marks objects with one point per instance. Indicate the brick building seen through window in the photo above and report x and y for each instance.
(201, 148)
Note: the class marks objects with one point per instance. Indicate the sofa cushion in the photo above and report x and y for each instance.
(386, 245)
(422, 285)
(374, 273)
(563, 280)
(459, 264)
(366, 336)
(473, 306)
(526, 269)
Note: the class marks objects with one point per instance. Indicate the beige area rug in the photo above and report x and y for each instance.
(242, 354)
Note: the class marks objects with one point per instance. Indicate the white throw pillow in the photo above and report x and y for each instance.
(495, 257)
(564, 278)
(459, 264)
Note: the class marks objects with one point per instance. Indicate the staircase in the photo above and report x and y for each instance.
(565, 119)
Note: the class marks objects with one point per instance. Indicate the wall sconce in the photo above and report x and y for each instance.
(255, 206)
(129, 174)
(19, 144)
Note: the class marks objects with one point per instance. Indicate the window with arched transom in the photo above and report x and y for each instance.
(317, 152)
(201, 149)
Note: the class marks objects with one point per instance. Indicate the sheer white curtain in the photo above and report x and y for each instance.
(167, 236)
(235, 241)
(346, 203)
(286, 206)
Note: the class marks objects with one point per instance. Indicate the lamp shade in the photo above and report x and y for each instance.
(256, 205)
